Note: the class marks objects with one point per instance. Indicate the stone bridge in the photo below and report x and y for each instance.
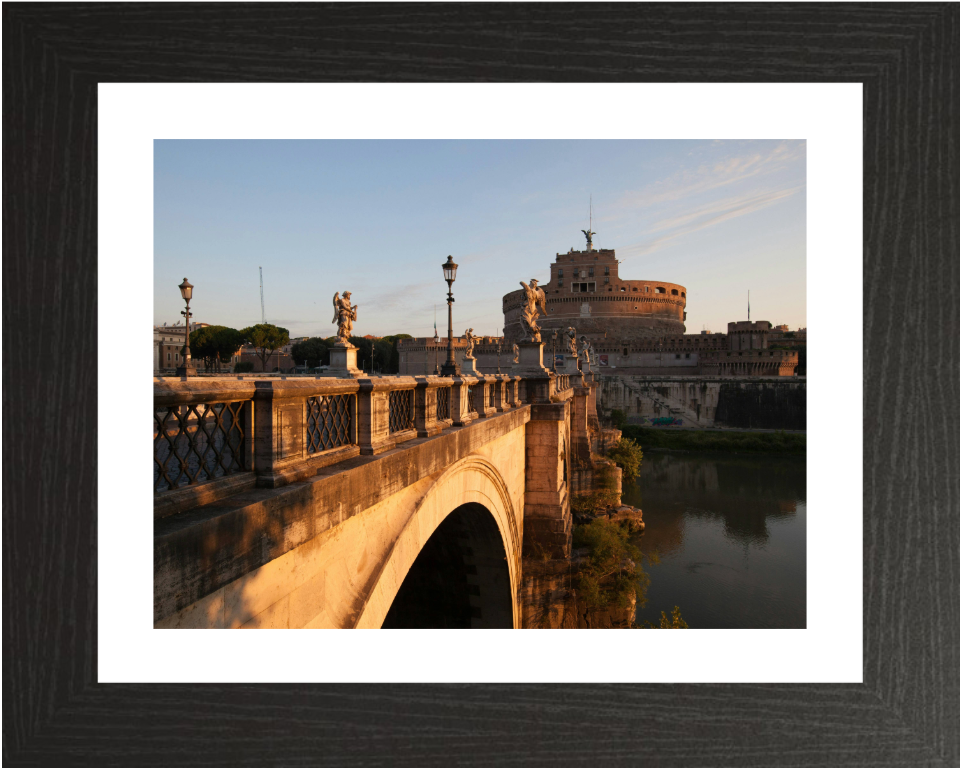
(373, 502)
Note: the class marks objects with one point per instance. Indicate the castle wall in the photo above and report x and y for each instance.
(758, 403)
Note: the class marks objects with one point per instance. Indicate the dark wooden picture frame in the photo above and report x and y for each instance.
(907, 711)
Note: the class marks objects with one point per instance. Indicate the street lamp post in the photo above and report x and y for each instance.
(499, 343)
(450, 367)
(186, 291)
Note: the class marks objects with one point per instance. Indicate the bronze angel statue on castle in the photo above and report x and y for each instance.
(534, 299)
(343, 316)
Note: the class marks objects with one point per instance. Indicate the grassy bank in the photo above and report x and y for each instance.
(721, 442)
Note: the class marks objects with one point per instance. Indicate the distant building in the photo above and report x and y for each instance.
(168, 342)
(636, 327)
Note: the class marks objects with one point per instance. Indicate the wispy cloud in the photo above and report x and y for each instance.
(706, 216)
(688, 183)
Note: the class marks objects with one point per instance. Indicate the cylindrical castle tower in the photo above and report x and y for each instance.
(585, 291)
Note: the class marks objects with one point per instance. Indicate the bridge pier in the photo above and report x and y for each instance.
(547, 523)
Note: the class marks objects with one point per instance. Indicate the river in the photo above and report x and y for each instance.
(731, 532)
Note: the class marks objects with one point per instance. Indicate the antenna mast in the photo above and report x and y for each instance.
(748, 305)
(263, 316)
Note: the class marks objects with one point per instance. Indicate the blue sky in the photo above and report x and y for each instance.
(378, 218)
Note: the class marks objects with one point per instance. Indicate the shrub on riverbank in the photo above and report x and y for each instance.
(675, 621)
(627, 455)
(612, 571)
(722, 442)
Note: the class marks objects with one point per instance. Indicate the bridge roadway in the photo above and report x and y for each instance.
(426, 526)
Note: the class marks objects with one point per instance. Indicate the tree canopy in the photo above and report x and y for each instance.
(382, 352)
(314, 352)
(266, 338)
(215, 344)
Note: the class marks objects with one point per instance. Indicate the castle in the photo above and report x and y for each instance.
(636, 328)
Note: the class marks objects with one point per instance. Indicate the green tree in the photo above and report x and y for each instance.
(380, 353)
(314, 351)
(266, 338)
(612, 570)
(627, 455)
(675, 621)
(215, 344)
(618, 418)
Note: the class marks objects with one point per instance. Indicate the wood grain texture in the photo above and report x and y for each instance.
(905, 714)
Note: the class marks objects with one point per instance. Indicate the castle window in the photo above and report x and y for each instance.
(560, 272)
(622, 289)
(660, 290)
(606, 270)
(634, 290)
(646, 289)
(678, 357)
(625, 352)
(688, 355)
(591, 271)
(606, 280)
(683, 294)
(675, 292)
(560, 282)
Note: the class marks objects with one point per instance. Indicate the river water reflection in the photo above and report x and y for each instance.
(731, 534)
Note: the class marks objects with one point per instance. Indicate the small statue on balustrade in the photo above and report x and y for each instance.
(585, 350)
(572, 341)
(534, 300)
(344, 316)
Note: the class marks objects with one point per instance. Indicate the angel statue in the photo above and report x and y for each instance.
(516, 353)
(534, 300)
(585, 350)
(343, 316)
(469, 337)
(572, 341)
(589, 233)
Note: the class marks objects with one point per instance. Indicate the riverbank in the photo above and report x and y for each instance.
(786, 443)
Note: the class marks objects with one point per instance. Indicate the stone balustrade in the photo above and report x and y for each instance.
(216, 436)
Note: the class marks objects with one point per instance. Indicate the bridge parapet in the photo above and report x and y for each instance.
(215, 437)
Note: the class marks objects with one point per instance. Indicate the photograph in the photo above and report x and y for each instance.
(527, 384)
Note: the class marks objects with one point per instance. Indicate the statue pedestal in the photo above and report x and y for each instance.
(569, 364)
(469, 367)
(531, 358)
(343, 362)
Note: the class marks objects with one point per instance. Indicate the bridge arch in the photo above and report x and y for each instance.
(475, 491)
